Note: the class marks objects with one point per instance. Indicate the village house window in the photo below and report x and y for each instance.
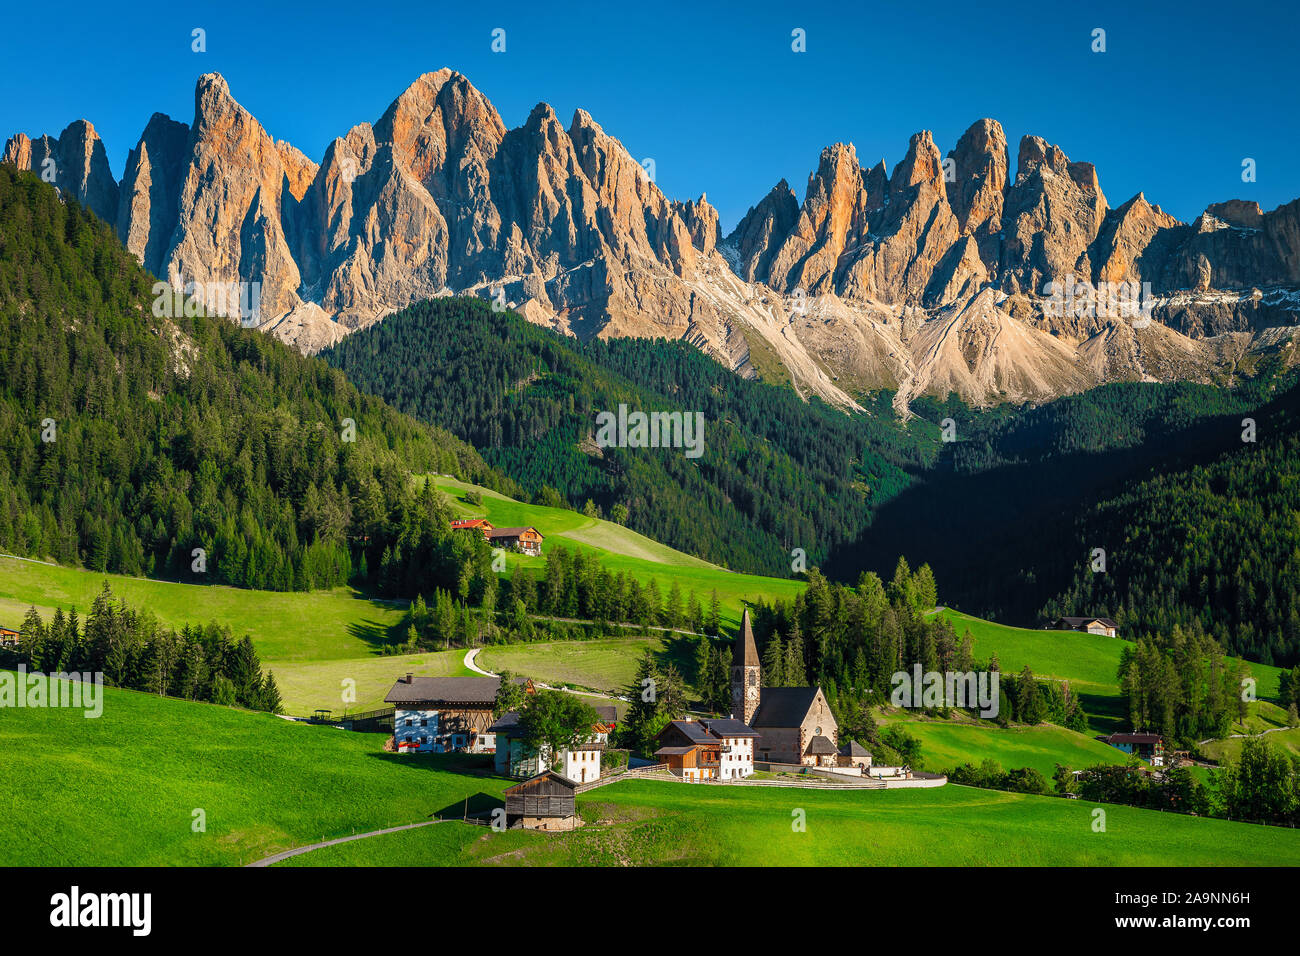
(410, 721)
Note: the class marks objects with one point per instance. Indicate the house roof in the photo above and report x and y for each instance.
(507, 722)
(675, 751)
(692, 730)
(472, 523)
(854, 749)
(545, 780)
(783, 706)
(513, 532)
(728, 727)
(1134, 739)
(434, 690)
(1080, 621)
(745, 653)
(608, 712)
(820, 746)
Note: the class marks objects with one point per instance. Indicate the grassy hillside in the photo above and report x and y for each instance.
(1088, 661)
(589, 665)
(657, 824)
(619, 549)
(122, 790)
(338, 623)
(948, 744)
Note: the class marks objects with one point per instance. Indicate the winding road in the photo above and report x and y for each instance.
(471, 655)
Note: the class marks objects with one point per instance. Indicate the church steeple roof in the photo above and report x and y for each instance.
(745, 653)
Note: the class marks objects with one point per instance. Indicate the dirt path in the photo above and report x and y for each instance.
(299, 851)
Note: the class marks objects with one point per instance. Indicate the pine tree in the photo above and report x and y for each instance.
(774, 657)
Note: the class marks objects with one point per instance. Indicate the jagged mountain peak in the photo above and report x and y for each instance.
(439, 197)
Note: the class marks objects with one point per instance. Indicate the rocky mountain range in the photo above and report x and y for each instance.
(928, 278)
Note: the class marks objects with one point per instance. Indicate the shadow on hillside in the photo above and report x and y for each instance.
(1003, 542)
(376, 635)
(474, 804)
(1106, 714)
(476, 765)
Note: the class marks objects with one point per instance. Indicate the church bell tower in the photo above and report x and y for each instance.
(745, 672)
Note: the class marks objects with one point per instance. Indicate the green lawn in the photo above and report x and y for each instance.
(603, 666)
(306, 686)
(285, 625)
(620, 549)
(120, 790)
(946, 744)
(668, 824)
(1090, 662)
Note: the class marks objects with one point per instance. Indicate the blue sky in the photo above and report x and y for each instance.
(1183, 93)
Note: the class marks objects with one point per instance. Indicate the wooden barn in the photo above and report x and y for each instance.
(543, 802)
(526, 540)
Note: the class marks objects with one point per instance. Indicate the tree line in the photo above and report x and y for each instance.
(132, 650)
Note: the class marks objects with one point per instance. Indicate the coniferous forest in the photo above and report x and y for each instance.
(192, 449)
(777, 473)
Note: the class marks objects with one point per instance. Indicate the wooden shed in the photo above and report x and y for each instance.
(543, 802)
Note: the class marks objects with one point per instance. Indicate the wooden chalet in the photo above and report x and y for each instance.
(542, 802)
(481, 525)
(689, 750)
(8, 637)
(525, 540)
(1090, 625)
(438, 714)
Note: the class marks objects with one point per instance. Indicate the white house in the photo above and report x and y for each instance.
(708, 749)
(515, 758)
(737, 757)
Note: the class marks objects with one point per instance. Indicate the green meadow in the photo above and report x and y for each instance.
(602, 665)
(652, 823)
(304, 687)
(122, 789)
(1090, 662)
(133, 786)
(946, 744)
(285, 625)
(619, 549)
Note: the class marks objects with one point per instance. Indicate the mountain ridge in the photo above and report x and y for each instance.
(926, 277)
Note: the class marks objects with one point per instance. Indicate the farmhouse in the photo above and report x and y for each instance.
(1091, 625)
(515, 757)
(440, 714)
(542, 802)
(721, 749)
(794, 724)
(8, 637)
(527, 540)
(1149, 747)
(481, 525)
